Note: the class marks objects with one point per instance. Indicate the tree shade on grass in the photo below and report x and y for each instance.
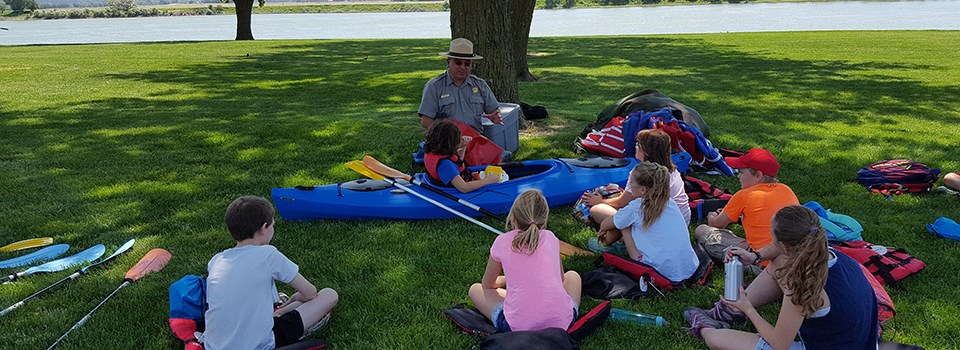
(100, 143)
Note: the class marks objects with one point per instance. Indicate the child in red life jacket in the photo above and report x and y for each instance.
(444, 158)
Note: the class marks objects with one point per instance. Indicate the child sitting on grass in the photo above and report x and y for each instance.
(651, 226)
(241, 291)
(541, 295)
(825, 296)
(444, 158)
(652, 146)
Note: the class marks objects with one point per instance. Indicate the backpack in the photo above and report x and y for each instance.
(887, 265)
(188, 302)
(897, 176)
(703, 197)
(638, 271)
(648, 100)
(473, 323)
(839, 227)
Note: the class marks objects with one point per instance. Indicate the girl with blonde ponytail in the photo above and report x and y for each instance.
(651, 225)
(541, 294)
(826, 298)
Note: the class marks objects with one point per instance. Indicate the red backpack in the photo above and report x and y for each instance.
(897, 176)
(887, 265)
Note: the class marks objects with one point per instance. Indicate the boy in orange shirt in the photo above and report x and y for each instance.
(759, 199)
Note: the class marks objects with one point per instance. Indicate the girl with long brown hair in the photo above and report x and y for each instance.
(652, 146)
(651, 226)
(541, 294)
(826, 298)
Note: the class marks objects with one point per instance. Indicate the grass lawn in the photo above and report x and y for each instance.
(100, 143)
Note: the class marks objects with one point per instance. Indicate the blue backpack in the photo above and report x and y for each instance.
(839, 227)
(188, 303)
(945, 227)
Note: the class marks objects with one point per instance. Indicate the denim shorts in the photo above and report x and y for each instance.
(500, 321)
(762, 345)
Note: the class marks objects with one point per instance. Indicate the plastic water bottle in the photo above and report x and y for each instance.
(637, 317)
(732, 279)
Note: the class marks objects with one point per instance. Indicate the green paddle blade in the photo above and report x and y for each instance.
(46, 253)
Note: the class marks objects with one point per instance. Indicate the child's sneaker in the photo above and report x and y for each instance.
(946, 190)
(699, 320)
(616, 249)
(722, 312)
(316, 326)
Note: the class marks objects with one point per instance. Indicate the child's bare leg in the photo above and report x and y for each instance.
(314, 309)
(485, 298)
(572, 284)
(601, 212)
(612, 236)
(290, 306)
(764, 289)
(729, 339)
(952, 180)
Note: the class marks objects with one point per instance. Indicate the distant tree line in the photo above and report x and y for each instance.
(123, 8)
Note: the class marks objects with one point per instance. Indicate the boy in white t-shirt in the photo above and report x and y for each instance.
(241, 291)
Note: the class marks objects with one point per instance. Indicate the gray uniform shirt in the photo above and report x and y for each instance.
(466, 103)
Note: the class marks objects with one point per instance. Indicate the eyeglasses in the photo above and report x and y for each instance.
(463, 63)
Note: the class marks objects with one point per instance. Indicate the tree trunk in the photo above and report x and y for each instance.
(244, 12)
(487, 23)
(522, 16)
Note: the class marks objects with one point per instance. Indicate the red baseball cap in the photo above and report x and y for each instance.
(756, 159)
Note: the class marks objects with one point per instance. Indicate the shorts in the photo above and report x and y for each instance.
(762, 345)
(287, 329)
(500, 321)
(716, 241)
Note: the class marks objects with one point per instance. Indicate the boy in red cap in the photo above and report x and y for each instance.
(759, 199)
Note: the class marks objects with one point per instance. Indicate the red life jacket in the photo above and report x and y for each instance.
(432, 160)
(889, 267)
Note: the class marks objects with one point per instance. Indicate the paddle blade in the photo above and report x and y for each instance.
(358, 166)
(125, 247)
(155, 260)
(46, 253)
(27, 243)
(567, 249)
(384, 170)
(91, 254)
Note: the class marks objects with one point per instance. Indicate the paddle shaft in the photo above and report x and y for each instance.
(87, 316)
(406, 189)
(458, 200)
(21, 302)
(72, 276)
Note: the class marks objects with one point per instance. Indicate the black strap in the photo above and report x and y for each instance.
(882, 270)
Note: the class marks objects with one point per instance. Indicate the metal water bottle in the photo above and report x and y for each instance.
(732, 279)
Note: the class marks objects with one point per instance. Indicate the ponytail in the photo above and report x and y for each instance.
(805, 271)
(529, 215)
(656, 178)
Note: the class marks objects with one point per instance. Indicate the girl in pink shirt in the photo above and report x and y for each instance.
(541, 295)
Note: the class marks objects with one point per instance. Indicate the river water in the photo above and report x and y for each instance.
(750, 17)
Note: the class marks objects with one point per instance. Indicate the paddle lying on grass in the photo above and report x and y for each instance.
(46, 253)
(90, 254)
(125, 247)
(384, 172)
(155, 260)
(27, 243)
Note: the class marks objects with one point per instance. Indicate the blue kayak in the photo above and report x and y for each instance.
(562, 181)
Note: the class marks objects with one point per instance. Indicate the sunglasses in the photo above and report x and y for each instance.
(463, 63)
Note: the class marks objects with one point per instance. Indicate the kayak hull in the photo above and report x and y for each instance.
(561, 181)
